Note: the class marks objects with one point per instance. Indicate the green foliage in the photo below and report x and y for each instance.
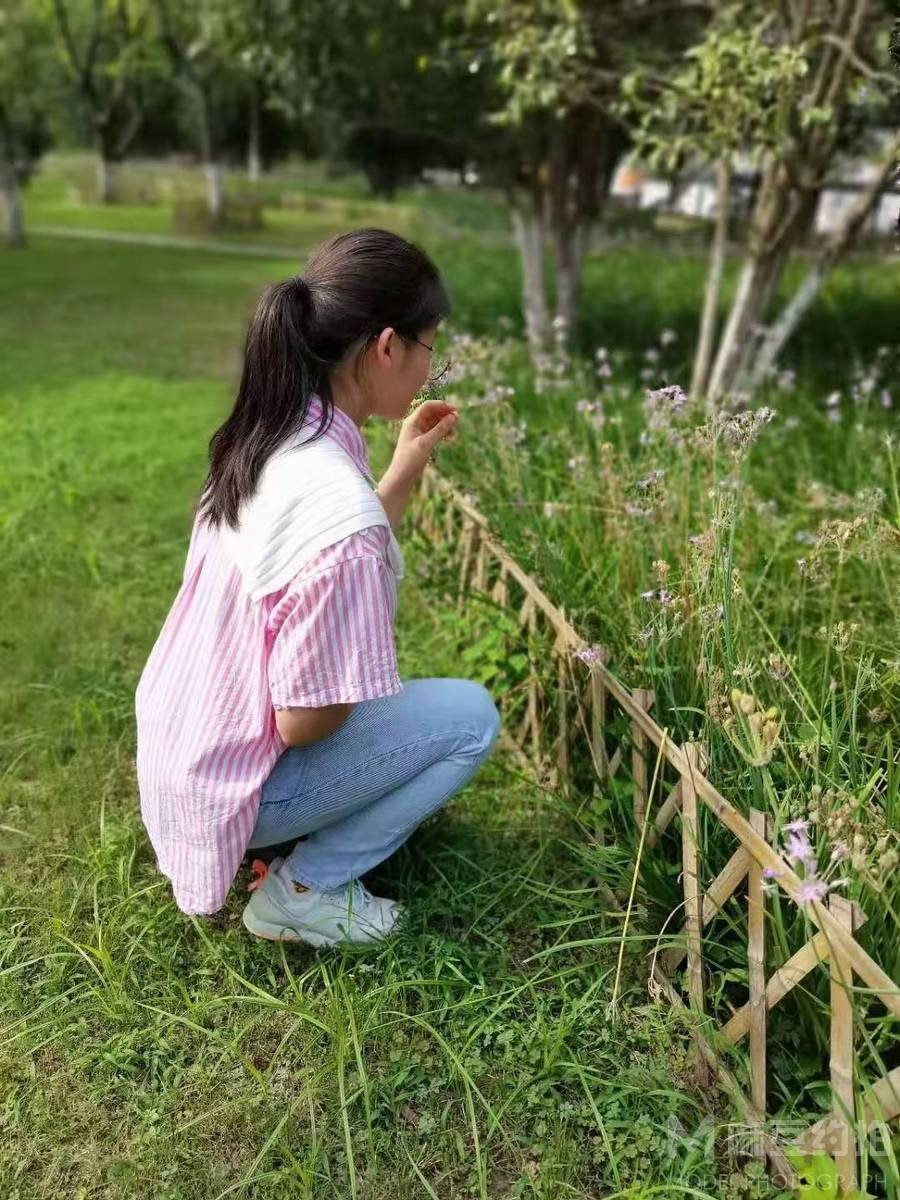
(187, 1059)
(110, 57)
(736, 93)
(491, 657)
(26, 92)
(818, 1178)
(176, 1052)
(545, 56)
(751, 87)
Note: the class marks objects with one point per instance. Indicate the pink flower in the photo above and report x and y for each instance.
(589, 654)
(811, 890)
(800, 825)
(799, 850)
(772, 872)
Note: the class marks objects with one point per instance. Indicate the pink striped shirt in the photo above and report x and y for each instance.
(205, 703)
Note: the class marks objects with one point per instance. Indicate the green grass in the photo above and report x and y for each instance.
(148, 1055)
(117, 364)
(630, 291)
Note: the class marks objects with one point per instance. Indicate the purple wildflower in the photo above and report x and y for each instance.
(589, 654)
(800, 850)
(799, 825)
(811, 890)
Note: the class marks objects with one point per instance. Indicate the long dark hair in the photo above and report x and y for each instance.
(355, 285)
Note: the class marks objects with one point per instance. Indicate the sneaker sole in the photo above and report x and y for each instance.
(291, 933)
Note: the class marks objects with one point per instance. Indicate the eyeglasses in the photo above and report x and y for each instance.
(437, 376)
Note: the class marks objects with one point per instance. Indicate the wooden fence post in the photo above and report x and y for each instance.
(533, 693)
(500, 591)
(639, 743)
(598, 725)
(562, 749)
(480, 565)
(841, 974)
(470, 535)
(756, 976)
(692, 898)
(427, 498)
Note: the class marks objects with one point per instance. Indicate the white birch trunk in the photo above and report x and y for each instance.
(736, 329)
(529, 238)
(106, 180)
(215, 192)
(12, 203)
(703, 357)
(569, 250)
(781, 330)
(254, 157)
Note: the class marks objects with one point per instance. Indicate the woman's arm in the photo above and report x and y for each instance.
(300, 726)
(394, 490)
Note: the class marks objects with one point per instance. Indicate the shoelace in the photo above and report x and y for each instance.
(361, 896)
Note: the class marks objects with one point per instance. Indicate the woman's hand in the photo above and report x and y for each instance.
(420, 432)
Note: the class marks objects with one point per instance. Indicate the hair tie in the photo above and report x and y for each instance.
(300, 288)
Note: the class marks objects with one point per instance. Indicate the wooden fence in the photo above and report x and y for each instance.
(583, 710)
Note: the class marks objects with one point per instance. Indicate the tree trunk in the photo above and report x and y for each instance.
(703, 357)
(569, 246)
(254, 157)
(12, 203)
(528, 228)
(780, 332)
(212, 169)
(781, 220)
(106, 179)
(215, 193)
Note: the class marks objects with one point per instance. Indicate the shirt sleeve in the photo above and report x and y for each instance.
(335, 644)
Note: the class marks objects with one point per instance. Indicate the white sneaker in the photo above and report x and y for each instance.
(320, 917)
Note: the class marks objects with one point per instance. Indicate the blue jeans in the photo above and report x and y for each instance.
(361, 791)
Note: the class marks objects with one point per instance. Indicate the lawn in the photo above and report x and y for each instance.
(145, 1054)
(477, 1055)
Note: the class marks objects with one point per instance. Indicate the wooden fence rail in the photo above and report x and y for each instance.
(584, 710)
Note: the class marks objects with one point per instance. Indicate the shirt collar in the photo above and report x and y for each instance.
(343, 429)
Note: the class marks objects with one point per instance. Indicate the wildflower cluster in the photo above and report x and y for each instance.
(593, 410)
(671, 607)
(738, 430)
(650, 494)
(754, 732)
(653, 356)
(592, 654)
(869, 387)
(798, 850)
(665, 407)
(858, 833)
(513, 434)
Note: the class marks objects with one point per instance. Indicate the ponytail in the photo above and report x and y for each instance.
(355, 285)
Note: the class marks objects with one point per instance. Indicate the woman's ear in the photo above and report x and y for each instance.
(384, 347)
